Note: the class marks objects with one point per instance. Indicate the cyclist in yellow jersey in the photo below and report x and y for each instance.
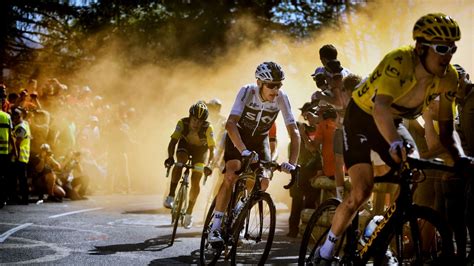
(194, 136)
(402, 85)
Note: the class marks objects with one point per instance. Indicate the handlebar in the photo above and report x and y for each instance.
(272, 166)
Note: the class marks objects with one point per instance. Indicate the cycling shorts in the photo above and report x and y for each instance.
(197, 152)
(259, 144)
(362, 135)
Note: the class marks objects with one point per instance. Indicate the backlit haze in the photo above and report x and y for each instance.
(162, 94)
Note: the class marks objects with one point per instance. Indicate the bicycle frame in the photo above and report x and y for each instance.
(392, 224)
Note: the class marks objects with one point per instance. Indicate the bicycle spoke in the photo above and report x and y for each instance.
(254, 231)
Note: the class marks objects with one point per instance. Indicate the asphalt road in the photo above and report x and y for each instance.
(111, 230)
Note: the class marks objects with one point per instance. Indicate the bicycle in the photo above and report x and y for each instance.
(400, 228)
(180, 205)
(248, 225)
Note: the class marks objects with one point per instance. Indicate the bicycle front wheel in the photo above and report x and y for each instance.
(176, 212)
(426, 239)
(316, 231)
(253, 231)
(208, 254)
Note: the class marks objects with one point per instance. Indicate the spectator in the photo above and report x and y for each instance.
(73, 179)
(324, 136)
(465, 101)
(44, 181)
(303, 195)
(6, 140)
(22, 136)
(5, 104)
(329, 79)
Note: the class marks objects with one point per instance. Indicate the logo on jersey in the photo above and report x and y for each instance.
(257, 120)
(392, 71)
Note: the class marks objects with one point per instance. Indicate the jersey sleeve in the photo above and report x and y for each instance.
(178, 130)
(211, 142)
(285, 107)
(240, 100)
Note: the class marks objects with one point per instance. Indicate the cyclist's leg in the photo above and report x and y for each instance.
(360, 134)
(198, 153)
(181, 157)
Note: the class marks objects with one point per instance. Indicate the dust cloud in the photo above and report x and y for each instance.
(163, 94)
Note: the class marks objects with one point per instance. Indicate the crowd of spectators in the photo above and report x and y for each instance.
(57, 146)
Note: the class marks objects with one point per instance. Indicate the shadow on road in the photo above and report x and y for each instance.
(150, 211)
(154, 244)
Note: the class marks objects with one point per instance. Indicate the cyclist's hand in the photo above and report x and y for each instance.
(287, 167)
(397, 151)
(246, 154)
(207, 171)
(169, 162)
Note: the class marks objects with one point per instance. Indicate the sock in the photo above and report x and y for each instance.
(340, 192)
(216, 223)
(328, 246)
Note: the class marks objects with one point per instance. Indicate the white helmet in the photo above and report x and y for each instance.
(269, 71)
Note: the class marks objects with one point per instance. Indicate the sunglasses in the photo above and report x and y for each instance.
(442, 49)
(273, 86)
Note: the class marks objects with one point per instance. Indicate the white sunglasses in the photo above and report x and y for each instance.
(442, 49)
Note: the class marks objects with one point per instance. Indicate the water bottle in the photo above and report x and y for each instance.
(238, 206)
(370, 228)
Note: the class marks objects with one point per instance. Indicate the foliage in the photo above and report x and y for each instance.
(59, 37)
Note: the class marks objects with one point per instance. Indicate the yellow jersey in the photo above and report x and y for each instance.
(395, 77)
(205, 136)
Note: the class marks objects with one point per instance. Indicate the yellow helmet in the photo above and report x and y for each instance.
(437, 27)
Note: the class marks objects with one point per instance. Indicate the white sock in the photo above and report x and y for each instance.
(328, 246)
(216, 222)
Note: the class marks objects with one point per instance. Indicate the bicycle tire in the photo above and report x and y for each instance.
(260, 211)
(207, 254)
(316, 231)
(176, 212)
(441, 249)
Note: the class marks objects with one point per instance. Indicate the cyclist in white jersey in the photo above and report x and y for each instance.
(255, 109)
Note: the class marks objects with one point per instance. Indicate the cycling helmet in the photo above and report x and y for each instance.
(199, 110)
(269, 71)
(436, 27)
(214, 102)
(461, 71)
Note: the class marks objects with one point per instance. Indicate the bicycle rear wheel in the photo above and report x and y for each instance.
(253, 231)
(176, 212)
(316, 231)
(434, 247)
(208, 254)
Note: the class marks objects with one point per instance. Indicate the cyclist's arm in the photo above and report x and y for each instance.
(233, 132)
(294, 135)
(172, 147)
(211, 155)
(383, 118)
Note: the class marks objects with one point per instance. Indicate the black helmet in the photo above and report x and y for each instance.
(199, 110)
(269, 71)
(329, 112)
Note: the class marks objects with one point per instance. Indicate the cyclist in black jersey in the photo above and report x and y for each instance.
(254, 111)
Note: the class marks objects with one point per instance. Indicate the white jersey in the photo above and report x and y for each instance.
(257, 116)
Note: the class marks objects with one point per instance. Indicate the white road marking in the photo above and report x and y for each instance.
(74, 212)
(10, 232)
